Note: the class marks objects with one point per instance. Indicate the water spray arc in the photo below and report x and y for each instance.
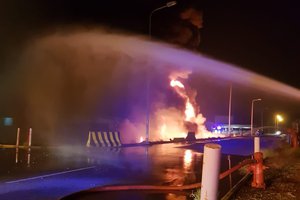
(38, 57)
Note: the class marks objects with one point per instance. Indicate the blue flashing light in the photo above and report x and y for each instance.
(8, 121)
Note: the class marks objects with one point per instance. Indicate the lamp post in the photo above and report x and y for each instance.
(252, 105)
(167, 5)
(229, 109)
(278, 118)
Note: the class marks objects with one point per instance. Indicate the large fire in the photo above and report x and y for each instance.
(170, 122)
(189, 111)
(173, 123)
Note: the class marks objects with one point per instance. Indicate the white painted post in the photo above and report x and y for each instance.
(18, 137)
(229, 167)
(29, 137)
(210, 172)
(17, 155)
(28, 157)
(88, 143)
(256, 144)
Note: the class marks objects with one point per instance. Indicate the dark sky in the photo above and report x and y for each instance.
(262, 36)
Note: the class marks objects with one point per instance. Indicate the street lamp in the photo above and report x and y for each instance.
(167, 5)
(229, 109)
(278, 118)
(252, 113)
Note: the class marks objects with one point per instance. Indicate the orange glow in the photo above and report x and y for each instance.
(174, 123)
(141, 139)
(189, 108)
(189, 111)
(163, 129)
(187, 158)
(191, 114)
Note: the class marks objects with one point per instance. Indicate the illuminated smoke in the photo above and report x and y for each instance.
(133, 131)
(194, 16)
(67, 80)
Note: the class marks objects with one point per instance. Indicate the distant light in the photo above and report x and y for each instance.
(277, 132)
(279, 118)
(171, 3)
(219, 127)
(8, 121)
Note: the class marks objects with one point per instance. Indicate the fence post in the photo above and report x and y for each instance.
(88, 142)
(17, 155)
(29, 146)
(29, 137)
(18, 137)
(210, 172)
(256, 144)
(229, 166)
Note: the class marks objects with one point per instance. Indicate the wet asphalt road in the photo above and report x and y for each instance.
(56, 172)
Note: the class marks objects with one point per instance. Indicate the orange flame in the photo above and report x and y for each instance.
(189, 108)
(141, 139)
(189, 111)
(177, 83)
(171, 124)
(163, 130)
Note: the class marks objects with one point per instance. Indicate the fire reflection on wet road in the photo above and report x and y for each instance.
(56, 172)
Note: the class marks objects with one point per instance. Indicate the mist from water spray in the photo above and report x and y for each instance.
(75, 75)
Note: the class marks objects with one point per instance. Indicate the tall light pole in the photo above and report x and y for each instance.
(252, 105)
(278, 118)
(167, 5)
(229, 110)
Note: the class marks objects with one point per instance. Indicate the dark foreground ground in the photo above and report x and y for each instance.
(282, 178)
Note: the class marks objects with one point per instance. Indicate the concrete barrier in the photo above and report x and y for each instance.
(104, 139)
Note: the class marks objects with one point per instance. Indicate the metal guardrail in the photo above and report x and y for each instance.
(236, 167)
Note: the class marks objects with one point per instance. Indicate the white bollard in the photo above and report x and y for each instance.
(210, 172)
(18, 137)
(88, 142)
(256, 144)
(29, 137)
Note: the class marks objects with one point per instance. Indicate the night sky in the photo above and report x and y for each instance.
(261, 36)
